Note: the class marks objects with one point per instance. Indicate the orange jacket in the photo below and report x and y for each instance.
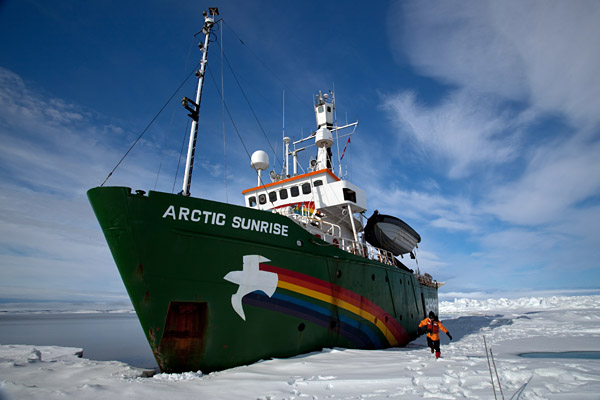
(435, 327)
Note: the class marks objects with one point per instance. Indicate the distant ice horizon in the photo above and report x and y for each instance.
(122, 304)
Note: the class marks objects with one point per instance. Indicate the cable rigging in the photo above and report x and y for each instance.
(149, 125)
(250, 106)
(224, 105)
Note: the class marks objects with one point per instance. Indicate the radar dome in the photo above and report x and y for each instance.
(259, 160)
(323, 138)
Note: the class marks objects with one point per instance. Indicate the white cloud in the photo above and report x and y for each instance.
(559, 176)
(52, 152)
(539, 51)
(466, 131)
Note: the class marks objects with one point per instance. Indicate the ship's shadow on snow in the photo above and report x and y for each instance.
(463, 326)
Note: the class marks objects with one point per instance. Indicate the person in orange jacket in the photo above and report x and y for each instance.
(433, 326)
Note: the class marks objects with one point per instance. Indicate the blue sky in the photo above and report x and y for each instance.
(479, 126)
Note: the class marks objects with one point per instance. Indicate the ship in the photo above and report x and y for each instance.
(218, 285)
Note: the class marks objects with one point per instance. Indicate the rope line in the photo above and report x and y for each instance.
(148, 126)
(234, 125)
(263, 63)
(223, 118)
(277, 161)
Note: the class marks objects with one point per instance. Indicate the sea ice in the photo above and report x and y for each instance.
(511, 327)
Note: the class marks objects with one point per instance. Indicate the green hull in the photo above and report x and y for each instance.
(174, 252)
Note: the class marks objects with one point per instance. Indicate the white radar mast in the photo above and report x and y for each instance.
(323, 137)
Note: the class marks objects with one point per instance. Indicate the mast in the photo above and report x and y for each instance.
(194, 107)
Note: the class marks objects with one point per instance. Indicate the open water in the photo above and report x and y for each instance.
(102, 336)
(586, 355)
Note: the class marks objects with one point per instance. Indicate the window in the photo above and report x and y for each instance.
(251, 201)
(295, 191)
(272, 197)
(306, 188)
(262, 199)
(283, 194)
(318, 183)
(349, 195)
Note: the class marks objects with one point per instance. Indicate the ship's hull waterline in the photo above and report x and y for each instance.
(217, 285)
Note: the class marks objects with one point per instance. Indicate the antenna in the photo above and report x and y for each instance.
(283, 142)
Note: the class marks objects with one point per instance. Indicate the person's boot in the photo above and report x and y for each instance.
(431, 350)
(437, 355)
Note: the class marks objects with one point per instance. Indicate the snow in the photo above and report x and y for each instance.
(510, 326)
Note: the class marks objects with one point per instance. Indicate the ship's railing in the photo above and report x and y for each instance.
(332, 233)
(311, 223)
(361, 249)
(428, 280)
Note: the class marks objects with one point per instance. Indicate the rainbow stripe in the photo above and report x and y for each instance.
(360, 320)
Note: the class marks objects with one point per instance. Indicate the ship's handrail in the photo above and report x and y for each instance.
(427, 280)
(331, 233)
(303, 219)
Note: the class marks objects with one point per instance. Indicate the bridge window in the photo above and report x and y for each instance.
(251, 201)
(318, 183)
(306, 188)
(349, 195)
(262, 199)
(283, 194)
(272, 197)
(295, 191)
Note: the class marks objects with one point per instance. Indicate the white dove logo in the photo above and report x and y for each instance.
(250, 278)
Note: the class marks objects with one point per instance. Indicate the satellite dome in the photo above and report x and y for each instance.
(259, 160)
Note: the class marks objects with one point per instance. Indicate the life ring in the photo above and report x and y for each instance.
(336, 243)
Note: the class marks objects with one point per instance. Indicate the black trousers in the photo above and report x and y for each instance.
(434, 344)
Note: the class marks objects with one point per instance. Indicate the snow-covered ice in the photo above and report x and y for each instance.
(510, 326)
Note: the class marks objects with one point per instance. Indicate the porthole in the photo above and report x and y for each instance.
(299, 243)
(301, 327)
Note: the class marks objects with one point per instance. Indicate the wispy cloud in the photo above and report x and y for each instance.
(541, 52)
(51, 153)
(559, 176)
(516, 133)
(466, 132)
